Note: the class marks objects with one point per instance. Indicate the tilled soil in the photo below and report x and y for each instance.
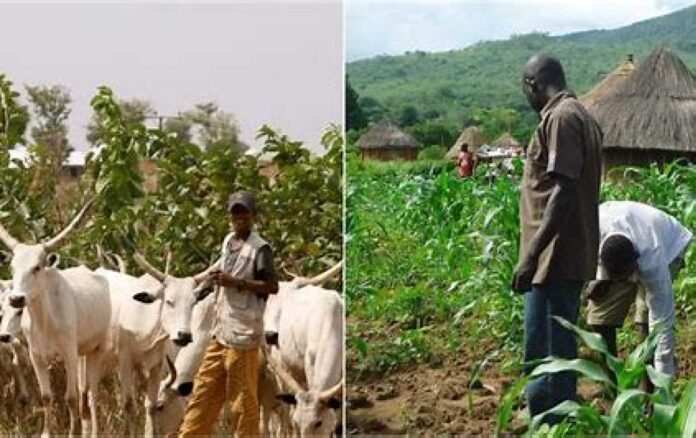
(441, 401)
(425, 400)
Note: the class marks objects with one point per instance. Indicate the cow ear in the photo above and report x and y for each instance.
(334, 403)
(144, 297)
(287, 398)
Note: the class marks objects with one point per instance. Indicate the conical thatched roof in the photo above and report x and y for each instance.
(387, 135)
(472, 135)
(506, 141)
(610, 82)
(654, 108)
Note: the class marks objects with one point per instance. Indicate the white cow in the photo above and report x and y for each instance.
(309, 357)
(11, 338)
(177, 298)
(69, 312)
(186, 365)
(136, 343)
(141, 330)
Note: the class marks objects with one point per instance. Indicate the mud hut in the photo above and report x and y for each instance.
(385, 141)
(610, 82)
(651, 116)
(472, 135)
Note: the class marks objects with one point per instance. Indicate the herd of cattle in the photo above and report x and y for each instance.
(152, 331)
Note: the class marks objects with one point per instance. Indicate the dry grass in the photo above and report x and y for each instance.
(26, 418)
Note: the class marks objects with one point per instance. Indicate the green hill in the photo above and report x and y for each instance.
(451, 86)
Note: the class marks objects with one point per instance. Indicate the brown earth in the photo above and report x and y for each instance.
(425, 400)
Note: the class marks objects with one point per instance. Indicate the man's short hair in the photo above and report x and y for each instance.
(617, 253)
(549, 71)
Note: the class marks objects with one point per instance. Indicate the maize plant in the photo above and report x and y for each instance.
(633, 411)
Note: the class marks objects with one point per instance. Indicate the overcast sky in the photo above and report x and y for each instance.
(278, 62)
(394, 27)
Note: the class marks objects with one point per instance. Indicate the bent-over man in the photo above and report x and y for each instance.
(642, 250)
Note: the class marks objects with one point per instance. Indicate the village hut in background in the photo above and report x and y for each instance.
(610, 82)
(473, 136)
(651, 115)
(506, 141)
(385, 141)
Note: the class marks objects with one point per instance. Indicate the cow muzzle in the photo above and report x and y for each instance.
(18, 301)
(5, 338)
(183, 339)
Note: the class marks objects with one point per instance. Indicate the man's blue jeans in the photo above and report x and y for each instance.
(543, 337)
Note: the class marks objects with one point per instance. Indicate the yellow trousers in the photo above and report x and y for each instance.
(226, 373)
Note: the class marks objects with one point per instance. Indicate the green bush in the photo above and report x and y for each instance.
(432, 153)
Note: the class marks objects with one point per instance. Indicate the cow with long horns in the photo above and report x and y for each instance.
(150, 319)
(69, 312)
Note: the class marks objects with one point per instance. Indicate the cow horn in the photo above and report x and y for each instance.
(290, 274)
(120, 263)
(172, 371)
(331, 392)
(168, 262)
(319, 279)
(9, 241)
(100, 256)
(103, 257)
(55, 243)
(147, 267)
(281, 371)
(202, 275)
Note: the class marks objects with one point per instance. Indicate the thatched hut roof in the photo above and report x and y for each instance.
(506, 141)
(654, 108)
(610, 82)
(472, 135)
(387, 135)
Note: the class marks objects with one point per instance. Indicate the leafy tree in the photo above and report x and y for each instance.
(355, 117)
(441, 133)
(14, 117)
(372, 108)
(132, 112)
(208, 126)
(50, 108)
(408, 116)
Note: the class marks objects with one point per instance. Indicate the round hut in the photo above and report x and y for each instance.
(506, 141)
(651, 115)
(385, 141)
(610, 82)
(473, 136)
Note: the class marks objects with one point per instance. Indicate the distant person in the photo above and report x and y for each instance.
(465, 161)
(641, 252)
(559, 225)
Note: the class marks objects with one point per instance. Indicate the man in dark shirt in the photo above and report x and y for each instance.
(559, 225)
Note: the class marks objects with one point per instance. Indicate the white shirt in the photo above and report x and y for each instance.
(659, 239)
